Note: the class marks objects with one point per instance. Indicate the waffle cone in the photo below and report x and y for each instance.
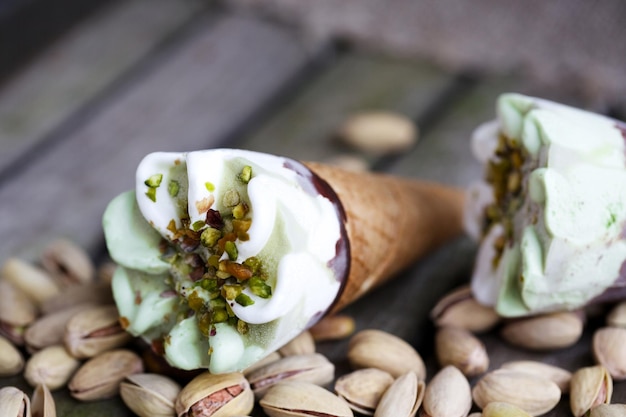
(391, 222)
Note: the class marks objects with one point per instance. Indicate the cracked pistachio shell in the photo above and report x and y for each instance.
(302, 344)
(379, 132)
(382, 350)
(608, 410)
(49, 330)
(609, 350)
(501, 409)
(533, 394)
(559, 376)
(52, 366)
(94, 330)
(363, 389)
(448, 394)
(403, 397)
(590, 386)
(67, 262)
(460, 348)
(11, 359)
(34, 282)
(314, 368)
(333, 327)
(14, 403)
(100, 377)
(544, 332)
(303, 399)
(42, 404)
(460, 309)
(17, 311)
(150, 395)
(230, 392)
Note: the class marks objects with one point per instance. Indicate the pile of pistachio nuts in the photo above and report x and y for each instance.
(60, 329)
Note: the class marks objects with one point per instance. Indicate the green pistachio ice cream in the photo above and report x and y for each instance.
(551, 212)
(224, 255)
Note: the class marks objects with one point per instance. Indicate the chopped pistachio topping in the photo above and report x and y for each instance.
(240, 211)
(209, 186)
(231, 250)
(246, 174)
(259, 287)
(231, 198)
(151, 193)
(197, 225)
(244, 300)
(154, 180)
(210, 236)
(173, 188)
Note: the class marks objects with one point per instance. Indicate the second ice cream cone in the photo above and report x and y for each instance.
(391, 222)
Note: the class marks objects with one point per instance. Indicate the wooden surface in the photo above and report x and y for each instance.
(76, 121)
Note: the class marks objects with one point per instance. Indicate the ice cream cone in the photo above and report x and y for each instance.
(391, 222)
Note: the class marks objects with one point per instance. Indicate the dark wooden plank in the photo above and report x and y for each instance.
(192, 98)
(77, 69)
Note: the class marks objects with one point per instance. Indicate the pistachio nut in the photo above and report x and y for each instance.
(608, 410)
(616, 317)
(460, 348)
(302, 344)
(34, 282)
(52, 366)
(303, 399)
(150, 395)
(544, 332)
(363, 389)
(403, 397)
(333, 327)
(100, 377)
(94, 330)
(378, 349)
(590, 386)
(502, 409)
(68, 263)
(215, 395)
(14, 403)
(314, 368)
(49, 330)
(609, 350)
(11, 359)
(459, 308)
(559, 376)
(91, 293)
(42, 403)
(272, 357)
(379, 132)
(448, 394)
(17, 311)
(531, 393)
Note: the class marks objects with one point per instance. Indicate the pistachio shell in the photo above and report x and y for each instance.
(272, 357)
(363, 389)
(42, 404)
(589, 387)
(100, 377)
(303, 399)
(11, 359)
(448, 394)
(379, 132)
(52, 366)
(608, 410)
(609, 350)
(559, 376)
(460, 309)
(49, 330)
(334, 327)
(533, 394)
(227, 394)
(91, 292)
(314, 368)
(68, 263)
(14, 403)
(544, 332)
(94, 330)
(460, 348)
(382, 350)
(34, 282)
(403, 397)
(302, 344)
(16, 312)
(150, 395)
(501, 409)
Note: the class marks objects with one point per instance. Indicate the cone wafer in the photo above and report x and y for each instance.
(391, 222)
(225, 255)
